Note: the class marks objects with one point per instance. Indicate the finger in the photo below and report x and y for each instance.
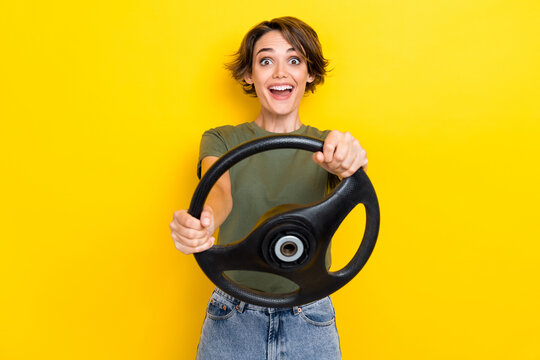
(342, 152)
(362, 153)
(191, 250)
(189, 242)
(207, 245)
(328, 151)
(352, 169)
(183, 249)
(186, 220)
(357, 157)
(178, 244)
(336, 166)
(364, 165)
(191, 236)
(330, 145)
(350, 161)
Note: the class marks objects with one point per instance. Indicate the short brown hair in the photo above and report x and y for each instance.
(299, 34)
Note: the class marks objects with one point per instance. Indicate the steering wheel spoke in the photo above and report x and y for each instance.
(239, 255)
(329, 213)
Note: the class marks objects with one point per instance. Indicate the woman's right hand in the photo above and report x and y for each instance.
(190, 234)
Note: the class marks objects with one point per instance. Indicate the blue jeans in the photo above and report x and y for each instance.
(235, 330)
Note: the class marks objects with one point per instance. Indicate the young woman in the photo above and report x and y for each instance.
(278, 61)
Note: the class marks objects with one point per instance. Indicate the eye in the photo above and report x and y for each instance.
(294, 61)
(265, 61)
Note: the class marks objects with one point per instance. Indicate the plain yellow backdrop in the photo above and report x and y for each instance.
(102, 108)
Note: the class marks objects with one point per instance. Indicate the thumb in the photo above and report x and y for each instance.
(207, 217)
(318, 157)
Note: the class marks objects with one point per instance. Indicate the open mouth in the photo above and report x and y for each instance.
(281, 91)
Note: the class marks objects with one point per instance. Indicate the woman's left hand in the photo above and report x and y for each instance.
(342, 154)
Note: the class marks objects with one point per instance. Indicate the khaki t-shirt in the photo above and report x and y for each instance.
(261, 182)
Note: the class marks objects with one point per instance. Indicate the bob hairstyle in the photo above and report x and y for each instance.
(299, 34)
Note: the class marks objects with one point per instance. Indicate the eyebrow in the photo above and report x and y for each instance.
(271, 50)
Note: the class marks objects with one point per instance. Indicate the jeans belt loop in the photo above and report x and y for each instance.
(240, 307)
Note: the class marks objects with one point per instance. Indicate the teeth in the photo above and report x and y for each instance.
(281, 87)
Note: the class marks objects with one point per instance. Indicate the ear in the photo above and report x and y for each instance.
(248, 79)
(310, 78)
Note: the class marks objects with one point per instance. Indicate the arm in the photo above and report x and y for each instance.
(192, 235)
(219, 201)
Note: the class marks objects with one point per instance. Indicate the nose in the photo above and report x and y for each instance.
(280, 70)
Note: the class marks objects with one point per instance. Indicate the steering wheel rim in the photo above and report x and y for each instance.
(313, 224)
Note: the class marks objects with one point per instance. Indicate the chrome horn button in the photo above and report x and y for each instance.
(289, 248)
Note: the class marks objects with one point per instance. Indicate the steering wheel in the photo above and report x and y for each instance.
(289, 240)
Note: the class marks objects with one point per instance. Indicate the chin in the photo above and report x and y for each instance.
(280, 111)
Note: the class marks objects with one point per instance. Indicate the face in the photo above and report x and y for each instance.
(279, 74)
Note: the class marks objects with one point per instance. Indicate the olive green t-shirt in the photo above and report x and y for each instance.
(261, 182)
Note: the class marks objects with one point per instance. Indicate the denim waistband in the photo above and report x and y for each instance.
(241, 305)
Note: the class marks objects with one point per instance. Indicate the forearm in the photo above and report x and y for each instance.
(221, 203)
(219, 199)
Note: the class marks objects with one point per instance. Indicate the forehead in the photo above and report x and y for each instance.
(272, 40)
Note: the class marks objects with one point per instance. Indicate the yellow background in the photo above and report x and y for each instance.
(102, 108)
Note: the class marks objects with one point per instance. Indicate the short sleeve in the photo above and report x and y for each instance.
(212, 144)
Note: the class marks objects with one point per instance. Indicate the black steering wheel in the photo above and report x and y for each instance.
(289, 240)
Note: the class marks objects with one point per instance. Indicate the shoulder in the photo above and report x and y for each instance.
(217, 141)
(231, 135)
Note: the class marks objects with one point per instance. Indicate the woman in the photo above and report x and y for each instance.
(278, 61)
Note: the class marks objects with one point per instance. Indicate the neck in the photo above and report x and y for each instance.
(278, 123)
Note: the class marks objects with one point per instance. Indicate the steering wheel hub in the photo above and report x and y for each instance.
(289, 248)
